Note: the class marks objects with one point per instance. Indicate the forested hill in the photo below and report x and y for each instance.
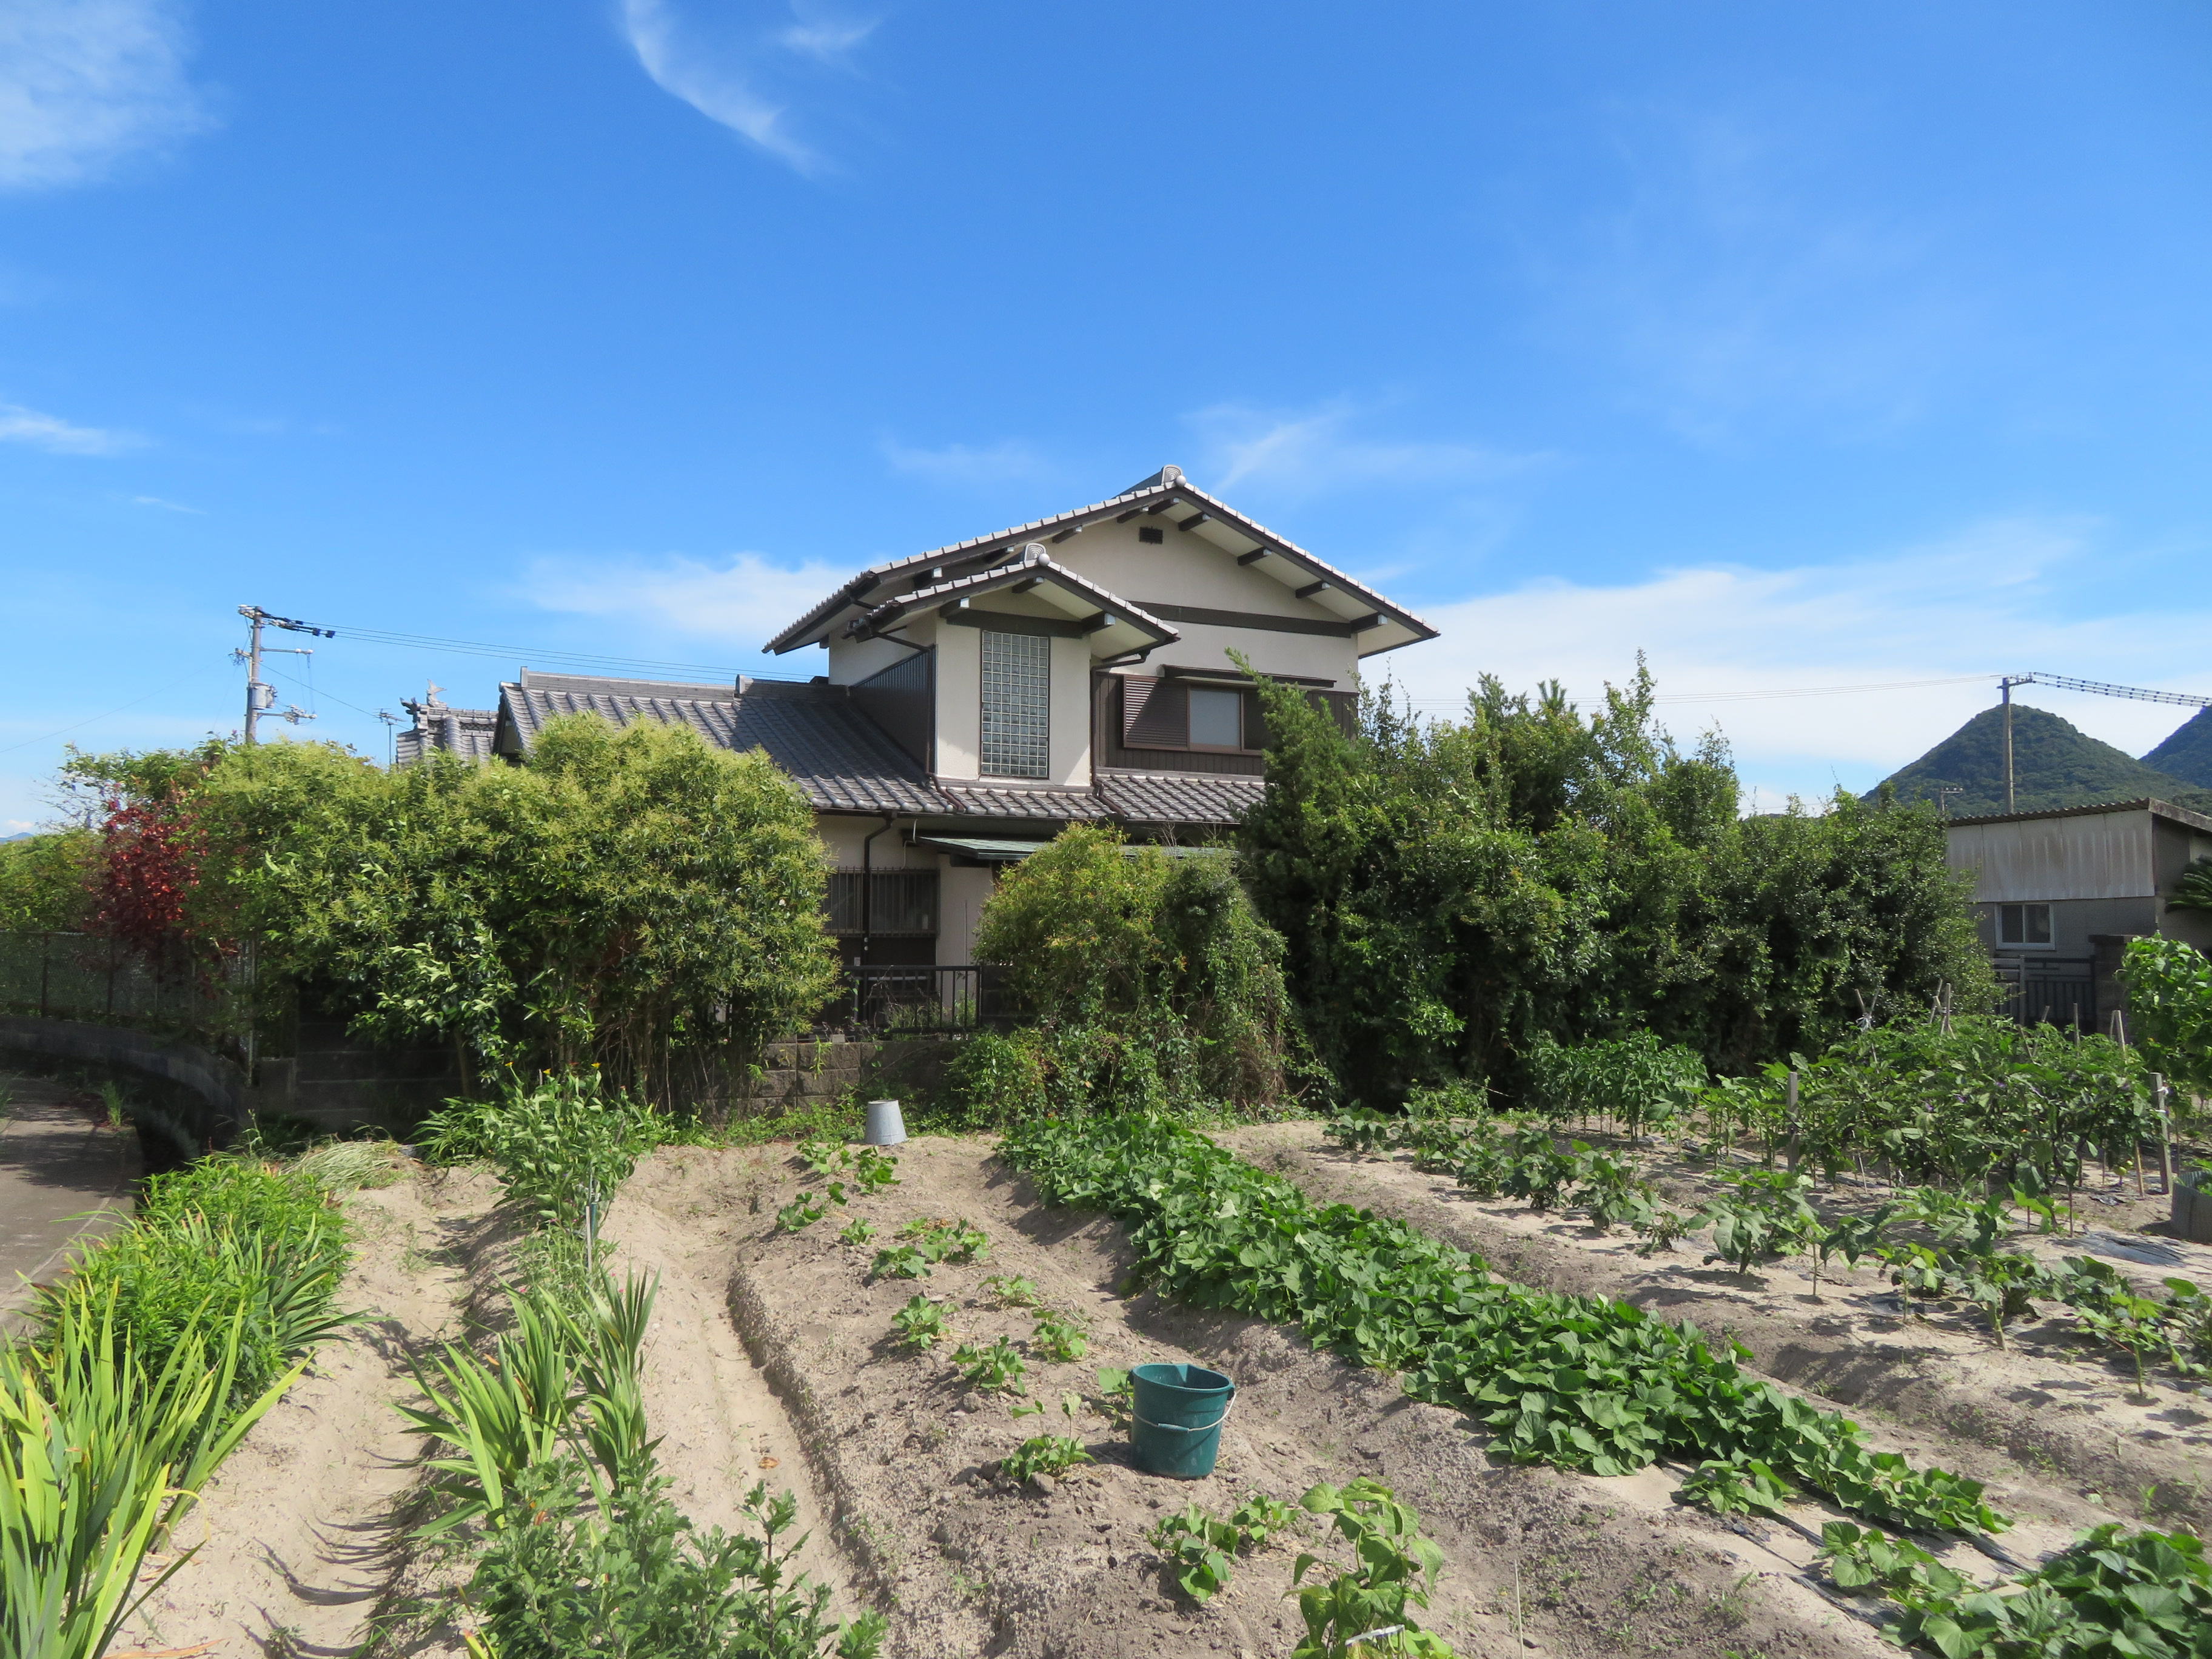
(2187, 754)
(2054, 765)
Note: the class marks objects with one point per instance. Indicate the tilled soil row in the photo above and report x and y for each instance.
(294, 1536)
(967, 1564)
(2043, 1425)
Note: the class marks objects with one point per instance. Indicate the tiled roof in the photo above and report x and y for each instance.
(1168, 484)
(988, 801)
(845, 762)
(467, 733)
(842, 759)
(1034, 562)
(1134, 799)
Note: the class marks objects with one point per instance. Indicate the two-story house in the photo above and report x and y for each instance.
(980, 696)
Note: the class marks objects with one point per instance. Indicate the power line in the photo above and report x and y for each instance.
(573, 659)
(1779, 692)
(2102, 689)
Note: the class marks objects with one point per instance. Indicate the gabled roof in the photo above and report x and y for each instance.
(1116, 624)
(1379, 625)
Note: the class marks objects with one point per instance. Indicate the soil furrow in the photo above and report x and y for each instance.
(2045, 1425)
(967, 1565)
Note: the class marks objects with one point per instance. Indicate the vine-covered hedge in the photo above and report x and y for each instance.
(1583, 1383)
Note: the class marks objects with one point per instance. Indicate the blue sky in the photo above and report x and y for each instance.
(1800, 347)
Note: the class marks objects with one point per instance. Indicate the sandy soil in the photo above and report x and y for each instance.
(967, 1564)
(771, 1359)
(293, 1534)
(2047, 1423)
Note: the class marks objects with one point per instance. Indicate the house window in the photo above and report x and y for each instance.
(1150, 533)
(1216, 719)
(1017, 705)
(2023, 924)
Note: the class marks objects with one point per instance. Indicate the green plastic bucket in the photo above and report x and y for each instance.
(1177, 1427)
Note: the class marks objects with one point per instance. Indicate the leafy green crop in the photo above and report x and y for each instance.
(1046, 1454)
(1011, 1291)
(802, 1212)
(1394, 1567)
(1581, 1381)
(900, 1261)
(2115, 1594)
(858, 1230)
(922, 1323)
(1059, 1336)
(998, 1366)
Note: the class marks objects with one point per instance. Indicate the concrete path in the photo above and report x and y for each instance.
(64, 1181)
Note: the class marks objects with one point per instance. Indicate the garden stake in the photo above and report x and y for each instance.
(2165, 1135)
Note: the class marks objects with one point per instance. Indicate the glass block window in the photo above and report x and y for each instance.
(1017, 705)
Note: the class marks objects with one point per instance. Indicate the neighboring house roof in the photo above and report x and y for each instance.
(467, 733)
(843, 761)
(1353, 601)
(840, 759)
(1120, 624)
(2157, 809)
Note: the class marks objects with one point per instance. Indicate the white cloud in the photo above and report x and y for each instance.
(166, 506)
(1318, 451)
(723, 73)
(738, 602)
(19, 425)
(959, 463)
(1975, 604)
(85, 82)
(820, 35)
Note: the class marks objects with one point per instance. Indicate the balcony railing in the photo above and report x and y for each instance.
(892, 1000)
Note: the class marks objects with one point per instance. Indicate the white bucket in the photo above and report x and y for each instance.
(886, 1124)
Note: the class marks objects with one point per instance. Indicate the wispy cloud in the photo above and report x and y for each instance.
(166, 506)
(738, 602)
(19, 425)
(1730, 279)
(1319, 451)
(1976, 603)
(964, 465)
(84, 83)
(726, 73)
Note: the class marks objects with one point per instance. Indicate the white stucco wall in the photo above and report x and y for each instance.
(960, 896)
(959, 702)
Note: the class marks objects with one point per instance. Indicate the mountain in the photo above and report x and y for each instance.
(2187, 754)
(2054, 765)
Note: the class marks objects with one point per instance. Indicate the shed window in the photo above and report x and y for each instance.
(2023, 924)
(1017, 705)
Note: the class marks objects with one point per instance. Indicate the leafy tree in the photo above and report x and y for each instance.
(2170, 1002)
(1452, 891)
(46, 882)
(1148, 980)
(633, 898)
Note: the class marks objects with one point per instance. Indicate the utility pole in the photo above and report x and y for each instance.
(1944, 797)
(261, 697)
(2005, 685)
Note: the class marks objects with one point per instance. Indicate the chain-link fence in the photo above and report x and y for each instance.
(78, 976)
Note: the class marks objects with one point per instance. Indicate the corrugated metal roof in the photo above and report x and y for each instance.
(2159, 809)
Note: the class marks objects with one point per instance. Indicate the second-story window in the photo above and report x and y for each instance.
(1017, 705)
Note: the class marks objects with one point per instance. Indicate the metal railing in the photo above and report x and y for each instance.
(2068, 997)
(890, 1000)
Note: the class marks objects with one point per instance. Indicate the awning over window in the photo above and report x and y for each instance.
(985, 849)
